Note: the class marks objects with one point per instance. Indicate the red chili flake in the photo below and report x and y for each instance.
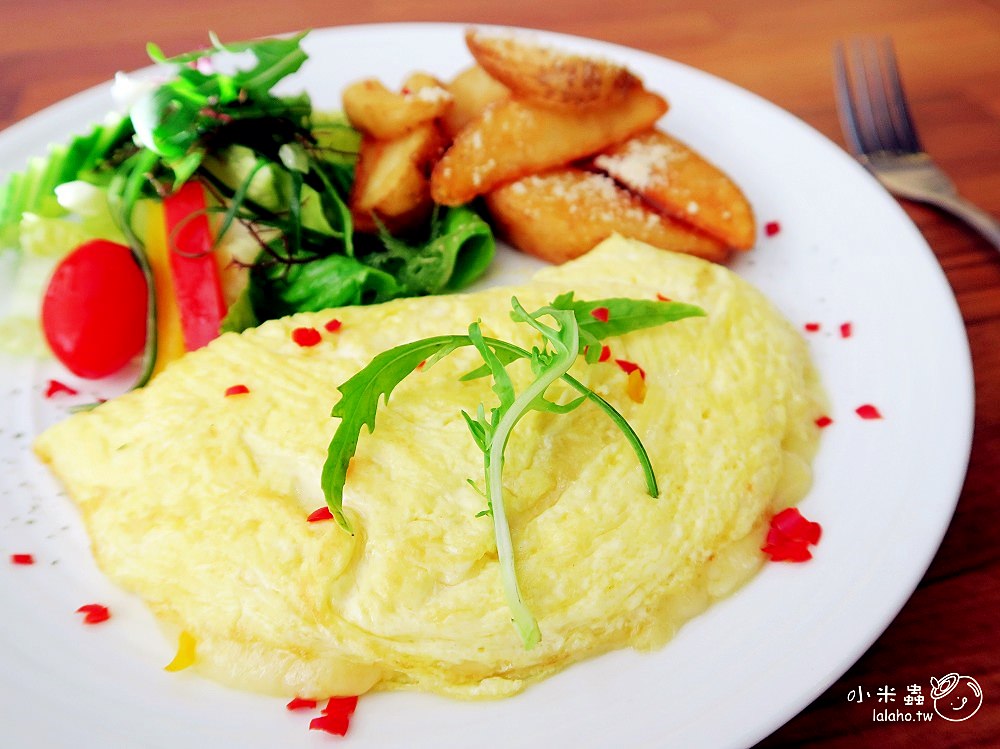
(868, 411)
(811, 327)
(334, 325)
(605, 353)
(336, 717)
(790, 536)
(628, 367)
(55, 387)
(788, 552)
(341, 705)
(824, 421)
(323, 513)
(771, 228)
(845, 330)
(300, 703)
(22, 559)
(600, 314)
(663, 298)
(306, 336)
(405, 91)
(792, 526)
(335, 724)
(237, 390)
(421, 364)
(95, 613)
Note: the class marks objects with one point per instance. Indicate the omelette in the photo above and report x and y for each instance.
(198, 501)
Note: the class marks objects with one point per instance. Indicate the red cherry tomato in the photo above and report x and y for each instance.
(94, 310)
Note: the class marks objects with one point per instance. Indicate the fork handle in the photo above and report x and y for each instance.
(971, 214)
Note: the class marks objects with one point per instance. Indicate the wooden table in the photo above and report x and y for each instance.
(950, 58)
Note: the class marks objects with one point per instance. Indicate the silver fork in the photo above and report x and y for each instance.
(879, 129)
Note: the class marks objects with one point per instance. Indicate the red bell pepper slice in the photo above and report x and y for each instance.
(192, 265)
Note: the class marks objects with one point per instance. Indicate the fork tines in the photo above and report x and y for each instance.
(873, 111)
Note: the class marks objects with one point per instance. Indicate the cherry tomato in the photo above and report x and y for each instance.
(94, 310)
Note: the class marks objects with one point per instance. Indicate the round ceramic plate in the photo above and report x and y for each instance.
(884, 492)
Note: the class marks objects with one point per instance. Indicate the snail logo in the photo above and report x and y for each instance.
(956, 698)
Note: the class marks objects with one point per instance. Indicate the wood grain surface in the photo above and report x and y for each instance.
(950, 57)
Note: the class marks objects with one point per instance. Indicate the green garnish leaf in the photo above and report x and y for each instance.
(457, 251)
(359, 400)
(314, 284)
(491, 433)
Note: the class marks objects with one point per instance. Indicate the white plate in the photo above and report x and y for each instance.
(884, 492)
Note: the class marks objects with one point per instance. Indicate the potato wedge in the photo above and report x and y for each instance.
(391, 181)
(512, 138)
(472, 90)
(384, 114)
(564, 213)
(550, 77)
(418, 81)
(678, 181)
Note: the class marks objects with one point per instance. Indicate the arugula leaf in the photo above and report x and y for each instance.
(359, 402)
(360, 397)
(277, 58)
(624, 316)
(172, 119)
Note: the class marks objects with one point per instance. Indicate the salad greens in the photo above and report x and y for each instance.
(278, 175)
(576, 330)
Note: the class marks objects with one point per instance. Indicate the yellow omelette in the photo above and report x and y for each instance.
(197, 501)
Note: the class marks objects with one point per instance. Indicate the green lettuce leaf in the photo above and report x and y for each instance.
(278, 289)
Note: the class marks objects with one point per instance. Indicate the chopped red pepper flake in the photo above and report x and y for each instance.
(323, 513)
(791, 525)
(95, 613)
(845, 330)
(336, 716)
(55, 387)
(342, 705)
(771, 228)
(334, 325)
(790, 536)
(600, 314)
(605, 353)
(663, 298)
(628, 367)
(868, 411)
(421, 364)
(306, 336)
(237, 390)
(22, 559)
(335, 724)
(811, 327)
(823, 422)
(787, 552)
(300, 703)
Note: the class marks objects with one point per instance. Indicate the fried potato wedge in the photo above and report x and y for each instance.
(472, 90)
(376, 111)
(391, 179)
(562, 214)
(549, 77)
(512, 138)
(680, 182)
